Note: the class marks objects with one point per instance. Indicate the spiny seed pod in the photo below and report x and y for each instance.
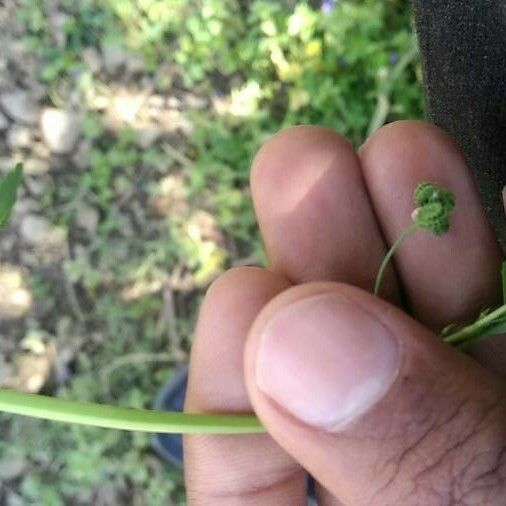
(426, 193)
(432, 214)
(447, 200)
(423, 194)
(432, 217)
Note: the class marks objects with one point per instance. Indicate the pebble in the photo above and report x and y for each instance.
(37, 90)
(12, 467)
(92, 59)
(25, 206)
(36, 166)
(14, 499)
(19, 137)
(81, 156)
(60, 130)
(173, 103)
(40, 150)
(15, 298)
(37, 185)
(34, 229)
(48, 242)
(194, 101)
(146, 137)
(156, 101)
(135, 64)
(4, 122)
(87, 218)
(126, 106)
(20, 107)
(115, 57)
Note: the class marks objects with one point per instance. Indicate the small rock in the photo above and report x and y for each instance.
(195, 102)
(34, 229)
(156, 101)
(135, 64)
(87, 218)
(146, 137)
(7, 244)
(58, 20)
(74, 99)
(92, 59)
(126, 106)
(81, 156)
(15, 297)
(123, 188)
(36, 166)
(20, 107)
(48, 241)
(125, 228)
(173, 103)
(19, 137)
(59, 162)
(4, 122)
(41, 307)
(12, 467)
(4, 75)
(40, 150)
(25, 206)
(115, 58)
(36, 185)
(37, 90)
(60, 129)
(33, 371)
(173, 121)
(171, 198)
(146, 83)
(14, 499)
(99, 102)
(6, 163)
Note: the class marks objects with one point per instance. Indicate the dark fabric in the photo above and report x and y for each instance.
(463, 48)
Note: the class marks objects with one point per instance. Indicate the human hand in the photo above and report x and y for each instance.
(349, 387)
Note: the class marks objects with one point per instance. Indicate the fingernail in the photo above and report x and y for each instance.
(326, 361)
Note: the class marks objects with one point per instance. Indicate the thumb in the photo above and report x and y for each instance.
(375, 406)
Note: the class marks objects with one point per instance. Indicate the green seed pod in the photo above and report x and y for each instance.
(432, 217)
(447, 199)
(424, 193)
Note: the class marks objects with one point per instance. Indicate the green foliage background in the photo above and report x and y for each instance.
(275, 63)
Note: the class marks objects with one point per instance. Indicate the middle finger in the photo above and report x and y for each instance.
(314, 212)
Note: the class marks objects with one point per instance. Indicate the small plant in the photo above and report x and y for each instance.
(432, 214)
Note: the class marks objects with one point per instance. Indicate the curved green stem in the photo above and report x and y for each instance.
(111, 417)
(402, 237)
(475, 329)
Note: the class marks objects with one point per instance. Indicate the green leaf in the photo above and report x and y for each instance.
(503, 278)
(8, 191)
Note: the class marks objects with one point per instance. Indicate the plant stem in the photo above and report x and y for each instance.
(402, 237)
(475, 329)
(112, 417)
